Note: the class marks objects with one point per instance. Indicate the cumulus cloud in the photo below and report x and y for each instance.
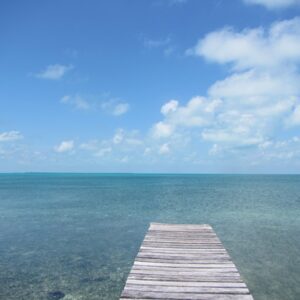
(294, 118)
(256, 86)
(10, 136)
(198, 112)
(244, 111)
(262, 91)
(280, 150)
(119, 136)
(54, 72)
(162, 129)
(115, 107)
(261, 94)
(121, 143)
(112, 106)
(274, 4)
(170, 106)
(120, 109)
(215, 150)
(164, 149)
(236, 129)
(103, 151)
(64, 146)
(76, 101)
(275, 47)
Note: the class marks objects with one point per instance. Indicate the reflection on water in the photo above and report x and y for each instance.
(75, 236)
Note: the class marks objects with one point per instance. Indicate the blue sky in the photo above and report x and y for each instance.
(206, 86)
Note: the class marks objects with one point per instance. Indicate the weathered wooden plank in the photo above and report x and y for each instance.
(184, 265)
(183, 246)
(180, 241)
(183, 241)
(179, 238)
(187, 283)
(200, 273)
(180, 226)
(184, 236)
(182, 250)
(146, 269)
(202, 297)
(181, 235)
(187, 261)
(179, 250)
(203, 278)
(189, 233)
(177, 224)
(184, 289)
(178, 231)
(182, 296)
(164, 227)
(183, 256)
(184, 262)
(187, 238)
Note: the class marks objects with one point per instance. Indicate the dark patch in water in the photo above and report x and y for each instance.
(101, 278)
(55, 295)
(97, 279)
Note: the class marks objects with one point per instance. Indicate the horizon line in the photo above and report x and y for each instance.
(141, 173)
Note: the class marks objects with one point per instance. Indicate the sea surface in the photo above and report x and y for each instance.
(75, 236)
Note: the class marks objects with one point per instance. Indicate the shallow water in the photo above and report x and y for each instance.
(77, 234)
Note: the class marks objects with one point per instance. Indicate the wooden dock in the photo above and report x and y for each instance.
(184, 262)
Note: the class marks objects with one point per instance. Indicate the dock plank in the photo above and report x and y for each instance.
(184, 262)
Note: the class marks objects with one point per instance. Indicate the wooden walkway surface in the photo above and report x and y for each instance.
(184, 262)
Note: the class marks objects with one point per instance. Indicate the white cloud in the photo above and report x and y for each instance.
(170, 106)
(162, 129)
(10, 136)
(64, 146)
(54, 72)
(281, 150)
(103, 151)
(256, 87)
(119, 136)
(235, 128)
(164, 149)
(215, 150)
(278, 46)
(77, 101)
(198, 112)
(89, 146)
(257, 101)
(120, 109)
(126, 139)
(263, 93)
(294, 118)
(115, 107)
(120, 144)
(124, 159)
(274, 4)
(147, 151)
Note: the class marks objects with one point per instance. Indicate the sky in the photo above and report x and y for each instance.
(154, 86)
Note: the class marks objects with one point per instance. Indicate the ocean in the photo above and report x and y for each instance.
(75, 236)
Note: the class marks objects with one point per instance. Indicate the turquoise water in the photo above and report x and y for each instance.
(75, 236)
